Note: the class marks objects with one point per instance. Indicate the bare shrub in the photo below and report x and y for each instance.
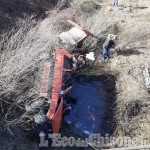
(26, 47)
(23, 52)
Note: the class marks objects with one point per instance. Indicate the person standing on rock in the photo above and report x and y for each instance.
(109, 43)
(115, 2)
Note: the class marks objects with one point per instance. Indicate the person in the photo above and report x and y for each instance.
(115, 2)
(109, 43)
(77, 60)
(68, 102)
(110, 9)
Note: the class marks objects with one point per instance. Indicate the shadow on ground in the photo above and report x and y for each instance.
(128, 52)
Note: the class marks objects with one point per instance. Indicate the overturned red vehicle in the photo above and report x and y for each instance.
(55, 111)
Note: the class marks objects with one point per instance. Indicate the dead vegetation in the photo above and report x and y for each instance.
(25, 48)
(131, 53)
(23, 53)
(12, 10)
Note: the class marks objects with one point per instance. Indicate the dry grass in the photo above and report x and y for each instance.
(24, 50)
(131, 52)
(132, 111)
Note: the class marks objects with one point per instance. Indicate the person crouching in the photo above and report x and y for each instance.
(77, 60)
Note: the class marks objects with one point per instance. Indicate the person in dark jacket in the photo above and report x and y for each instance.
(109, 43)
(77, 60)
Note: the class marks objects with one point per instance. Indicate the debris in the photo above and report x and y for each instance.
(90, 56)
(73, 36)
(40, 118)
(35, 106)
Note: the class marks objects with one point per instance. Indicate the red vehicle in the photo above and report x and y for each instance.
(54, 113)
(86, 114)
